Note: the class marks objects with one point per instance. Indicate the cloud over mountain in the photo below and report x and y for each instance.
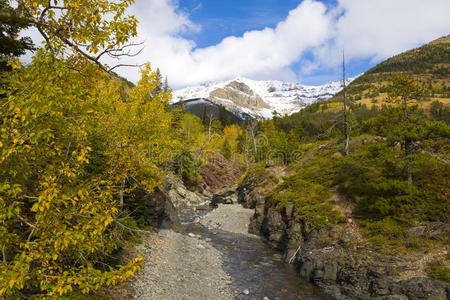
(310, 38)
(368, 29)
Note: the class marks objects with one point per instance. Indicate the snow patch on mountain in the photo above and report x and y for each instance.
(283, 97)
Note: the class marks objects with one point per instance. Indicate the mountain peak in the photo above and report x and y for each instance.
(259, 98)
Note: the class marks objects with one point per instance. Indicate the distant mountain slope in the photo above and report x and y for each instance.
(429, 64)
(244, 96)
(203, 108)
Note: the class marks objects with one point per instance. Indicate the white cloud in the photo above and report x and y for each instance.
(379, 29)
(369, 29)
(257, 54)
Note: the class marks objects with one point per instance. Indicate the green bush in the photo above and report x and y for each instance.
(308, 200)
(386, 234)
(439, 271)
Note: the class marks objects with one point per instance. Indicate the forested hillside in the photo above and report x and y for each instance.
(429, 64)
(395, 176)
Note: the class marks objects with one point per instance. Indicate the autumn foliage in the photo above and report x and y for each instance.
(69, 138)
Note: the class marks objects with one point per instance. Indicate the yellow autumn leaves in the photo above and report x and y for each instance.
(69, 137)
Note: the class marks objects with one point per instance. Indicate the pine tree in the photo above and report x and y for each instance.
(204, 116)
(405, 89)
(346, 128)
(226, 149)
(166, 85)
(10, 44)
(223, 116)
(404, 123)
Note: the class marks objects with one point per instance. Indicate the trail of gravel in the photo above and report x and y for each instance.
(185, 267)
(231, 218)
(180, 267)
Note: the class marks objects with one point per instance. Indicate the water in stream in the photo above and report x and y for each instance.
(254, 265)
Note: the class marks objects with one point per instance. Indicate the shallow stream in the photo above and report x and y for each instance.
(253, 265)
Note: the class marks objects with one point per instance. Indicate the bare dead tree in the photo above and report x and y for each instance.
(346, 127)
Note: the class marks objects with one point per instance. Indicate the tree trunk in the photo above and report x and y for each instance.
(409, 173)
(407, 142)
(347, 138)
(408, 166)
(122, 187)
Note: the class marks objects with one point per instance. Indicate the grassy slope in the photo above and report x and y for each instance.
(429, 64)
(371, 179)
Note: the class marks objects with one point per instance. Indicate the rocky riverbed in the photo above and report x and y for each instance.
(180, 266)
(216, 258)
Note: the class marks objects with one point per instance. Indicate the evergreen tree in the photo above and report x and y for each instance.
(226, 149)
(166, 85)
(10, 26)
(405, 123)
(439, 112)
(405, 89)
(223, 116)
(346, 127)
(159, 84)
(204, 116)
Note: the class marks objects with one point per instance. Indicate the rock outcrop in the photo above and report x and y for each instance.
(226, 195)
(217, 172)
(179, 195)
(334, 258)
(237, 94)
(163, 204)
(160, 211)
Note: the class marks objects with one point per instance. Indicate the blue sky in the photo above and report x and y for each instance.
(220, 19)
(193, 41)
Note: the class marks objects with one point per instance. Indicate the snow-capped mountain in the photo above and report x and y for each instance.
(260, 98)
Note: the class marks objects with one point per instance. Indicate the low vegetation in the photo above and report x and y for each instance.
(395, 176)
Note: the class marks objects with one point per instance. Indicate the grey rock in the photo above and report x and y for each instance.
(178, 194)
(347, 237)
(425, 288)
(226, 195)
(161, 212)
(415, 232)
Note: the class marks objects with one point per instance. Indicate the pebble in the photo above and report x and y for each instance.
(246, 292)
(200, 246)
(191, 235)
(265, 298)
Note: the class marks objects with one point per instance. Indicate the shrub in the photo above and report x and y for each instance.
(439, 271)
(308, 200)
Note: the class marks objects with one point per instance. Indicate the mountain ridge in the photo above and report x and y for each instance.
(259, 99)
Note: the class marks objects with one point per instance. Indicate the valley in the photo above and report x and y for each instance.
(114, 186)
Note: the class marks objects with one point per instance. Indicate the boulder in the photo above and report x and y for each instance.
(161, 212)
(178, 194)
(415, 232)
(226, 195)
(425, 288)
